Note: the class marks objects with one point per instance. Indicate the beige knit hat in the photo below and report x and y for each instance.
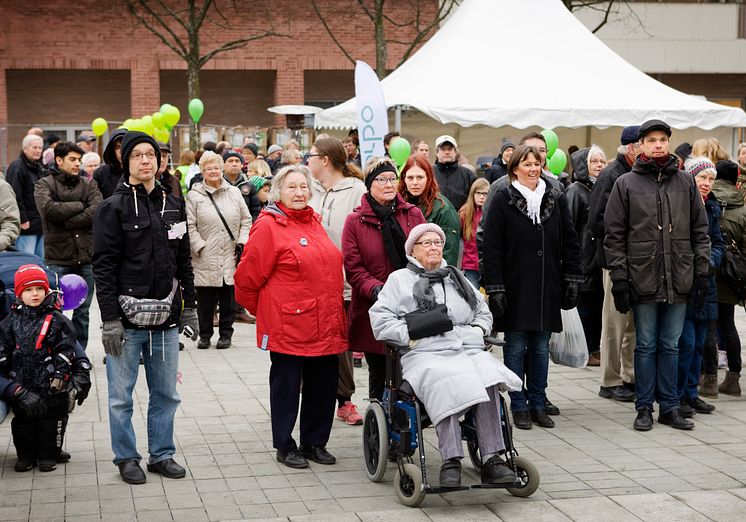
(420, 230)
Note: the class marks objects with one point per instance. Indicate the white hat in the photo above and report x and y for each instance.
(445, 138)
(420, 230)
(274, 148)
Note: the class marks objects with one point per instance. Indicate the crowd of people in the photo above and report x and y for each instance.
(329, 257)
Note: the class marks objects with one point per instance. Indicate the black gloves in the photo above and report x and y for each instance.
(701, 288)
(80, 381)
(30, 402)
(571, 295)
(497, 302)
(374, 293)
(621, 292)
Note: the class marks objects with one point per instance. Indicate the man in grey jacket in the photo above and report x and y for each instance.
(657, 250)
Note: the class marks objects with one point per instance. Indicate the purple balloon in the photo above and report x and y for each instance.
(74, 291)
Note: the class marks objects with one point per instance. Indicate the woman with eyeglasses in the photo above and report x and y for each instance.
(470, 215)
(447, 366)
(531, 271)
(418, 186)
(373, 246)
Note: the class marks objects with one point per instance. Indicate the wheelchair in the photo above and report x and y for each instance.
(395, 424)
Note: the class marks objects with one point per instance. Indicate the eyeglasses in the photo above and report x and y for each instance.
(137, 157)
(382, 182)
(430, 242)
(478, 193)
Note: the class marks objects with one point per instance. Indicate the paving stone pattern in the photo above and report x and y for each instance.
(593, 465)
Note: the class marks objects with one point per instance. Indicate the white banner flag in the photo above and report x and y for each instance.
(372, 120)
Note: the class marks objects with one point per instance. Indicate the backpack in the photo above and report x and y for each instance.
(733, 268)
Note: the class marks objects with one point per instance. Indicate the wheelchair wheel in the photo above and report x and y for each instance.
(472, 445)
(529, 477)
(375, 442)
(409, 488)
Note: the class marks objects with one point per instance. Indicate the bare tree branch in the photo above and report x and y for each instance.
(203, 12)
(423, 33)
(170, 12)
(177, 46)
(366, 10)
(330, 32)
(605, 19)
(236, 44)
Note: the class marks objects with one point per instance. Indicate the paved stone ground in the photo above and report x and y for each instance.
(593, 465)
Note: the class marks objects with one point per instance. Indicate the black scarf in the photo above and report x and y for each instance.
(393, 235)
(423, 288)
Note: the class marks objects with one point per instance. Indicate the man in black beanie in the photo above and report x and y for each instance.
(141, 253)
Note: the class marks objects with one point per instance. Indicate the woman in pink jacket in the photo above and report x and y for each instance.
(373, 246)
(290, 278)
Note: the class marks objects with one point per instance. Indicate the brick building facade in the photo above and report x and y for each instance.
(63, 64)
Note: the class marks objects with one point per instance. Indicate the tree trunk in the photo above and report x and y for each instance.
(193, 92)
(381, 49)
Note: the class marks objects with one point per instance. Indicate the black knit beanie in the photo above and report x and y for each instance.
(727, 170)
(130, 140)
(230, 153)
(385, 166)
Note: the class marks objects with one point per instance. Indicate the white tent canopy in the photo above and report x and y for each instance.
(538, 65)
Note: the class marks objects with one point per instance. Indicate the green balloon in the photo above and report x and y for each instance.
(135, 125)
(171, 115)
(196, 108)
(557, 162)
(158, 121)
(127, 124)
(399, 150)
(552, 141)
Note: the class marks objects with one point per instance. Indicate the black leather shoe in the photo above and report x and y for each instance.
(644, 420)
(318, 454)
(700, 406)
(450, 474)
(168, 468)
(521, 420)
(550, 408)
(495, 471)
(63, 457)
(223, 343)
(674, 419)
(131, 472)
(292, 459)
(47, 465)
(629, 386)
(685, 410)
(541, 418)
(23, 465)
(616, 393)
(203, 344)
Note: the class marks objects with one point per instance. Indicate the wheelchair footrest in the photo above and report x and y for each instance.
(495, 486)
(438, 489)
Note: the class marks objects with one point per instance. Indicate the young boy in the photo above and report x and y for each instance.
(37, 348)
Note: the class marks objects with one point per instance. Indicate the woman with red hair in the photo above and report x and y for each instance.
(418, 186)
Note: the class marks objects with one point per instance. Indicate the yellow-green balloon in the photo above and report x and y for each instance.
(99, 126)
(399, 150)
(163, 108)
(127, 124)
(161, 135)
(158, 121)
(147, 124)
(171, 115)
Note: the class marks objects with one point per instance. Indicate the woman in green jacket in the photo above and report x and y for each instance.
(418, 186)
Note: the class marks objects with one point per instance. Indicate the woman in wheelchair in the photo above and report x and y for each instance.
(438, 319)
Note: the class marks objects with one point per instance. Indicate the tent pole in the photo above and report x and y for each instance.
(588, 136)
(397, 118)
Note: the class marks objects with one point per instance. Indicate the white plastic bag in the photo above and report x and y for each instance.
(568, 347)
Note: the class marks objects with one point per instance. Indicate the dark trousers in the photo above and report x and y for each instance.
(710, 350)
(590, 307)
(39, 438)
(318, 375)
(346, 384)
(376, 374)
(729, 336)
(207, 297)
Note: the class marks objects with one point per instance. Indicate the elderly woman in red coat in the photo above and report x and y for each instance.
(290, 278)
(373, 246)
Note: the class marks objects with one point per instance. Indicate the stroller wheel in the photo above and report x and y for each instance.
(528, 476)
(472, 445)
(375, 442)
(409, 488)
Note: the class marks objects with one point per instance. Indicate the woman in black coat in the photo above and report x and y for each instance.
(532, 269)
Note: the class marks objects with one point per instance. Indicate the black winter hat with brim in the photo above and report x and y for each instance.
(132, 139)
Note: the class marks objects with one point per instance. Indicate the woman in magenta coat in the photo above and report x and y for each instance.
(290, 278)
(373, 246)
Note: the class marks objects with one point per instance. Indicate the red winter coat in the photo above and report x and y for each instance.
(290, 277)
(367, 265)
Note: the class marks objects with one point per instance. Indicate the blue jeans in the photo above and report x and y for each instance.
(691, 346)
(31, 244)
(80, 314)
(534, 346)
(4, 409)
(160, 351)
(473, 277)
(658, 327)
